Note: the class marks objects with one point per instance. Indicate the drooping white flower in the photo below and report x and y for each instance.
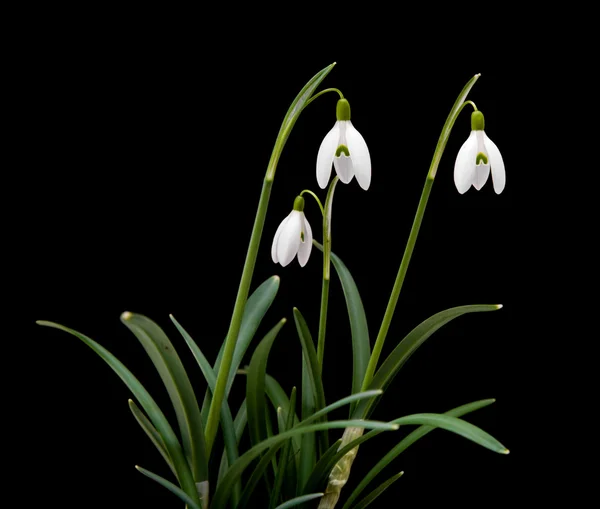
(345, 147)
(293, 237)
(476, 158)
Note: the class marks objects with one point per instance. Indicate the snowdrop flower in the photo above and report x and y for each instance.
(476, 157)
(293, 237)
(346, 149)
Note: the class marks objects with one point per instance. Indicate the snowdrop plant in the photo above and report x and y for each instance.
(295, 453)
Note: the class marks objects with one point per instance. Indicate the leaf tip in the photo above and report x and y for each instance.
(138, 468)
(127, 315)
(505, 451)
(395, 426)
(499, 306)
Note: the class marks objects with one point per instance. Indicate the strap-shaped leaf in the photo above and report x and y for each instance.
(370, 498)
(286, 469)
(361, 349)
(456, 425)
(292, 115)
(239, 424)
(170, 368)
(227, 427)
(153, 435)
(308, 448)
(310, 354)
(406, 442)
(170, 486)
(299, 500)
(390, 368)
(155, 415)
(313, 398)
(256, 307)
(257, 475)
(255, 386)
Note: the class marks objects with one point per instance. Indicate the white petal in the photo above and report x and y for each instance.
(344, 168)
(361, 159)
(497, 164)
(289, 239)
(306, 246)
(325, 156)
(464, 167)
(482, 172)
(276, 237)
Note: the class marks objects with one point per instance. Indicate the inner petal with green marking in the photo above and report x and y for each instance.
(342, 149)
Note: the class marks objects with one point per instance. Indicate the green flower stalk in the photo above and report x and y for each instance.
(238, 310)
(414, 232)
(341, 471)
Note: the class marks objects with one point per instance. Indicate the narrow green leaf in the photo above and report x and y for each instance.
(256, 307)
(361, 348)
(292, 115)
(308, 349)
(278, 399)
(313, 398)
(170, 486)
(390, 368)
(239, 424)
(257, 474)
(153, 435)
(410, 439)
(227, 426)
(299, 500)
(170, 368)
(447, 129)
(308, 449)
(155, 415)
(255, 386)
(341, 402)
(456, 425)
(365, 502)
(320, 474)
(287, 421)
(236, 470)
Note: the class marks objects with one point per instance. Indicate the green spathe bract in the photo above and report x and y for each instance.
(286, 457)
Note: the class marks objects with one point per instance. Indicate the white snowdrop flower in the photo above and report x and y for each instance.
(345, 147)
(293, 237)
(476, 158)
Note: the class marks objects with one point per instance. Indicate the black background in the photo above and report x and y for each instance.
(144, 141)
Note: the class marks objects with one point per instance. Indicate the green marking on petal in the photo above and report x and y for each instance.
(344, 149)
(302, 236)
(481, 158)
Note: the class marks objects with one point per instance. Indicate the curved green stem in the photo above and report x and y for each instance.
(324, 92)
(238, 311)
(468, 102)
(308, 191)
(414, 232)
(287, 125)
(326, 272)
